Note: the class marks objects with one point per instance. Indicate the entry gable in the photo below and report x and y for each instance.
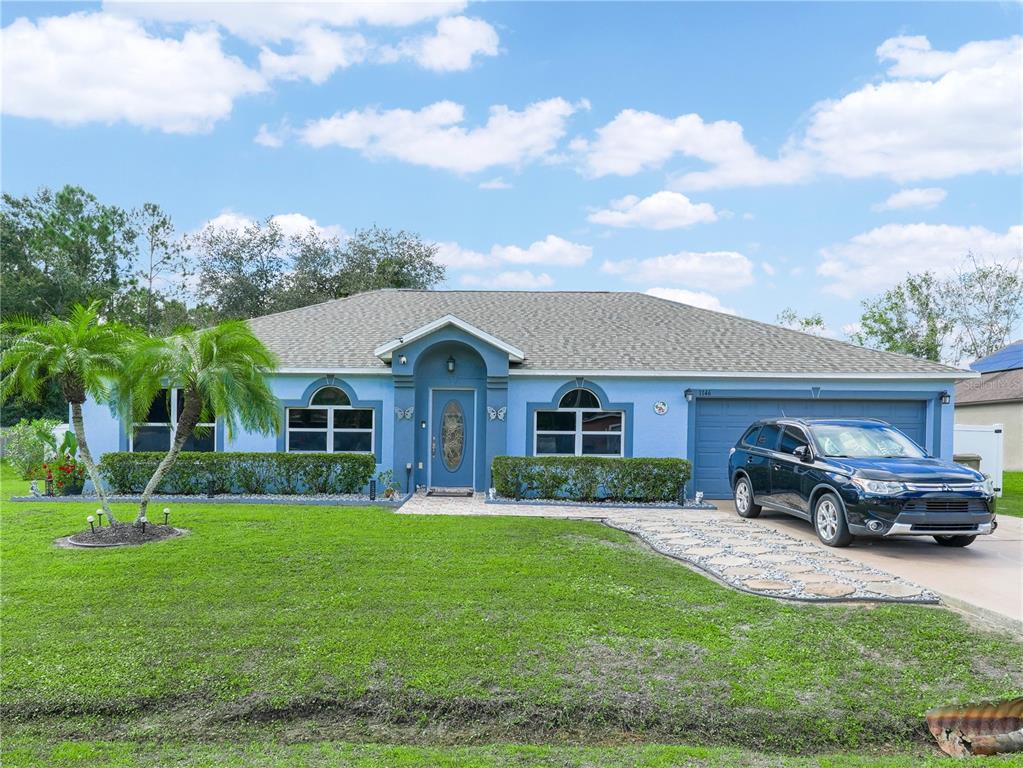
(384, 351)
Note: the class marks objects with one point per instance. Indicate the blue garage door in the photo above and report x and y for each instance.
(721, 422)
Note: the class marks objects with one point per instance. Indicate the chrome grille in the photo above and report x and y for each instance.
(932, 487)
(948, 504)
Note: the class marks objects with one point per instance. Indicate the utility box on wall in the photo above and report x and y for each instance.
(984, 441)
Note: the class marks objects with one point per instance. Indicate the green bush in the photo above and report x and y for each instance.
(28, 444)
(254, 473)
(591, 478)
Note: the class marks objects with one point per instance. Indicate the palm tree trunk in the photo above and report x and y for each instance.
(187, 420)
(78, 425)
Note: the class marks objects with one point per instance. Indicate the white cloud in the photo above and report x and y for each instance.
(452, 47)
(699, 299)
(317, 54)
(661, 210)
(290, 224)
(768, 268)
(721, 270)
(635, 141)
(435, 135)
(93, 67)
(915, 197)
(495, 183)
(936, 114)
(456, 257)
(270, 137)
(552, 251)
(275, 21)
(521, 280)
(876, 260)
(968, 118)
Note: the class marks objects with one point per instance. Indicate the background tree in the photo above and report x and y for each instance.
(986, 302)
(968, 315)
(241, 271)
(58, 249)
(813, 324)
(222, 372)
(913, 318)
(82, 353)
(164, 269)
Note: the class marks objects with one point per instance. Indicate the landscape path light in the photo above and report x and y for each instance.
(91, 519)
(166, 514)
(99, 514)
(143, 520)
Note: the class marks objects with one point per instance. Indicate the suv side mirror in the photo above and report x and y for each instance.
(803, 453)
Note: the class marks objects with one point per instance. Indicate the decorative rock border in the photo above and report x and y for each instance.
(770, 563)
(596, 504)
(319, 500)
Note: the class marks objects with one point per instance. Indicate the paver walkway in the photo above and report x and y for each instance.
(735, 551)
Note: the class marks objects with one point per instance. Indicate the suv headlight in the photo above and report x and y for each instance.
(985, 486)
(879, 487)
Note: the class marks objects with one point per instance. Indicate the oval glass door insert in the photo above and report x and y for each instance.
(452, 435)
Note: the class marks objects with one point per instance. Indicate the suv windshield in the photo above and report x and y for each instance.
(864, 442)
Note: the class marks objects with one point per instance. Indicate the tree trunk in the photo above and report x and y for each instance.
(78, 425)
(187, 420)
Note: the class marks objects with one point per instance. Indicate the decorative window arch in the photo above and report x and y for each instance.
(330, 423)
(579, 426)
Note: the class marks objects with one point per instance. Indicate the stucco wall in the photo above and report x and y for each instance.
(1010, 416)
(647, 433)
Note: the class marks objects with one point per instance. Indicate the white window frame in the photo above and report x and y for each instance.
(173, 424)
(329, 429)
(578, 431)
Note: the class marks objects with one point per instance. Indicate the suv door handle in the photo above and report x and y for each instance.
(777, 466)
(749, 459)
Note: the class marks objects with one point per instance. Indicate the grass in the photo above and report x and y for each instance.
(127, 754)
(311, 624)
(11, 483)
(1011, 502)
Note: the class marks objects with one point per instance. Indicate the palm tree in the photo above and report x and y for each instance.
(84, 354)
(222, 372)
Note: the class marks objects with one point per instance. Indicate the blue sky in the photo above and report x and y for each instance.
(739, 156)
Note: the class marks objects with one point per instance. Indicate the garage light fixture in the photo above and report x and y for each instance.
(689, 395)
(451, 365)
(946, 398)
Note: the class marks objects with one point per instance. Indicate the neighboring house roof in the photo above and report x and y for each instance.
(574, 332)
(996, 387)
(1008, 358)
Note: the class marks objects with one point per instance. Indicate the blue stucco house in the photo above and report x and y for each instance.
(435, 384)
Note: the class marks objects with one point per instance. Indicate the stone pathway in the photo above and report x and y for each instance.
(735, 551)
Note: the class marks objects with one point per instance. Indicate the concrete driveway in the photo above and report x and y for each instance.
(984, 579)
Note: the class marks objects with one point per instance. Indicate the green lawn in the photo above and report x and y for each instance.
(1011, 502)
(295, 631)
(11, 483)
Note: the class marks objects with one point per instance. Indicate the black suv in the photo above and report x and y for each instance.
(859, 477)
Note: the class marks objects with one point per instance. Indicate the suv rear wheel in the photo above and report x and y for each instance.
(829, 521)
(955, 541)
(744, 505)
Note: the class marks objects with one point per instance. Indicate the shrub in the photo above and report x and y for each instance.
(590, 478)
(257, 473)
(28, 444)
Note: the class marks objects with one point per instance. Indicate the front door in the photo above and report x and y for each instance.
(452, 447)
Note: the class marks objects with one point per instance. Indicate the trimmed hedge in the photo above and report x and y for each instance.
(256, 473)
(591, 478)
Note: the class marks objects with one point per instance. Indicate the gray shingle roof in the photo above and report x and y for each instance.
(570, 331)
(1000, 386)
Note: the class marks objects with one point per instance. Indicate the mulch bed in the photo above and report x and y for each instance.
(122, 534)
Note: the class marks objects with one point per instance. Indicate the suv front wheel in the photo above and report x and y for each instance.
(829, 521)
(744, 505)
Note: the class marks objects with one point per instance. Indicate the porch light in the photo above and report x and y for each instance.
(689, 395)
(946, 398)
(451, 365)
(402, 359)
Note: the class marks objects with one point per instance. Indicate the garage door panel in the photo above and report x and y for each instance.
(719, 423)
